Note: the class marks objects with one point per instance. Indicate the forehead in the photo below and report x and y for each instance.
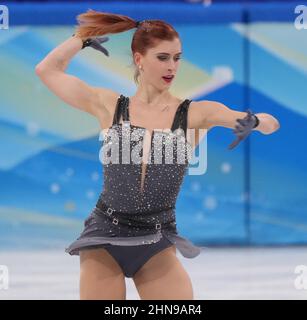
(171, 47)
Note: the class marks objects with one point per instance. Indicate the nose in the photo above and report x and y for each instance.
(171, 65)
(170, 70)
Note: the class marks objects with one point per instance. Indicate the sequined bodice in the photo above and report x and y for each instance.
(132, 184)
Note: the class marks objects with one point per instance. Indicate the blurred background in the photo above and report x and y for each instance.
(249, 206)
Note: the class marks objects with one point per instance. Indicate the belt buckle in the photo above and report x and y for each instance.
(115, 221)
(158, 226)
(110, 211)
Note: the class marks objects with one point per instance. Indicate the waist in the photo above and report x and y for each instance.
(154, 219)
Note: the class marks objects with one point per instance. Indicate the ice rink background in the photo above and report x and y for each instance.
(217, 273)
(51, 177)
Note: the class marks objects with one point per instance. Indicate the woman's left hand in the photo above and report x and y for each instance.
(244, 128)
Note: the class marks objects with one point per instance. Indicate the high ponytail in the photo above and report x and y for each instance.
(95, 23)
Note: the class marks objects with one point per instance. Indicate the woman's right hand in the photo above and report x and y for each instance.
(96, 44)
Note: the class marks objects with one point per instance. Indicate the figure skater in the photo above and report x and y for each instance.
(131, 232)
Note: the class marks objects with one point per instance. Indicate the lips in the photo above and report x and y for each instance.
(168, 78)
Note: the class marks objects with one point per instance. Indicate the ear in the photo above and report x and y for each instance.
(137, 58)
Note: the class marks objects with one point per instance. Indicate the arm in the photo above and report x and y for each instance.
(215, 113)
(73, 91)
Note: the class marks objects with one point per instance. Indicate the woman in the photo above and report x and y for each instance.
(132, 232)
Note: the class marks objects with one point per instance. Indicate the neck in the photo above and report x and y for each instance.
(152, 96)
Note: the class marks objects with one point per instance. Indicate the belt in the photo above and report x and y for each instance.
(123, 218)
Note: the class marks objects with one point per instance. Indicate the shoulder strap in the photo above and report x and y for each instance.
(121, 109)
(181, 116)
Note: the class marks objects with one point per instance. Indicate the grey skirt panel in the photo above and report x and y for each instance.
(99, 230)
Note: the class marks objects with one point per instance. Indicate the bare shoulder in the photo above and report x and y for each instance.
(107, 99)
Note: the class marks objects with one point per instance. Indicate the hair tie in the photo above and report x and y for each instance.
(138, 23)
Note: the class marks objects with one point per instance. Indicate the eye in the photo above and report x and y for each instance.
(164, 58)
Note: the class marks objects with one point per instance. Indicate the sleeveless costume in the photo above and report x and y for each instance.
(133, 223)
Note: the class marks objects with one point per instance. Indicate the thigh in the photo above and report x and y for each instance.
(163, 277)
(101, 277)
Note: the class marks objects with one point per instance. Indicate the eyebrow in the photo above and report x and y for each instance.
(168, 53)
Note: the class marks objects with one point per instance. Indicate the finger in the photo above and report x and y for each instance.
(234, 143)
(100, 48)
(105, 51)
(103, 39)
(241, 135)
(238, 129)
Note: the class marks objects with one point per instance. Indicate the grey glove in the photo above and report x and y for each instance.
(96, 44)
(244, 128)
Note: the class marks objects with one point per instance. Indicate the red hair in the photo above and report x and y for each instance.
(148, 34)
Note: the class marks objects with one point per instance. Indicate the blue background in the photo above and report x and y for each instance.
(243, 55)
